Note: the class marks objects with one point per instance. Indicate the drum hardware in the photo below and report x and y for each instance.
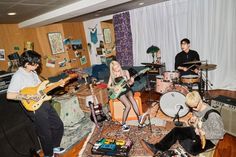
(207, 67)
(178, 123)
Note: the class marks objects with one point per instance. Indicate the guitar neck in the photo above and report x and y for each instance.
(92, 92)
(55, 85)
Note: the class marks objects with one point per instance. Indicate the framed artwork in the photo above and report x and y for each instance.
(2, 55)
(107, 35)
(56, 43)
(83, 60)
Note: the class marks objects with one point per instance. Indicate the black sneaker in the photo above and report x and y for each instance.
(150, 148)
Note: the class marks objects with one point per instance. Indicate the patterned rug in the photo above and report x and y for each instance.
(113, 130)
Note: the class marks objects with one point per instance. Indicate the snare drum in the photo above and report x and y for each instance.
(171, 76)
(161, 84)
(190, 79)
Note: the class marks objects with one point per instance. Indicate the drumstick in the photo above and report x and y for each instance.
(190, 67)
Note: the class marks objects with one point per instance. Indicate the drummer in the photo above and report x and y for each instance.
(186, 55)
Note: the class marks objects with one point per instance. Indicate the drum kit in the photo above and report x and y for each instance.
(174, 88)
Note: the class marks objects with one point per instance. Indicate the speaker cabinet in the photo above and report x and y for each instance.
(17, 134)
(227, 108)
(117, 108)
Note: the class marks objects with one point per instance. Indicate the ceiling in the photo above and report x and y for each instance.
(32, 13)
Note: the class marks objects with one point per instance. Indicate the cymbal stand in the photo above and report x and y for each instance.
(206, 94)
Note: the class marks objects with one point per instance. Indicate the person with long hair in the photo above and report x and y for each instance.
(126, 97)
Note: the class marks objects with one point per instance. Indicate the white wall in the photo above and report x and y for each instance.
(91, 24)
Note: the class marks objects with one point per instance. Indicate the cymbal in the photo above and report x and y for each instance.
(153, 64)
(207, 66)
(193, 62)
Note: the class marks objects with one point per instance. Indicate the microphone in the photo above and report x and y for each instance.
(178, 123)
(180, 107)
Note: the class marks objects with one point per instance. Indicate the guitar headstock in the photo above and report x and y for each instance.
(144, 70)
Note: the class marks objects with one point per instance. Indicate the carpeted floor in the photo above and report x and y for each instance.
(113, 130)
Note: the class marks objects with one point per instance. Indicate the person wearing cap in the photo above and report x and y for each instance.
(194, 138)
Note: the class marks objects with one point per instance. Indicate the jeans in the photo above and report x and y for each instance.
(187, 138)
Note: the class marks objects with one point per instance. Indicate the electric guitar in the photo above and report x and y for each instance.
(97, 114)
(42, 89)
(198, 125)
(119, 87)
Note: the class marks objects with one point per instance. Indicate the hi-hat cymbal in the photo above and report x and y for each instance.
(154, 64)
(207, 66)
(193, 62)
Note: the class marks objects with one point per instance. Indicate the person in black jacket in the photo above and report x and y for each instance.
(186, 55)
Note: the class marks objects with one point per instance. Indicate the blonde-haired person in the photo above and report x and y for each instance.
(126, 97)
(211, 127)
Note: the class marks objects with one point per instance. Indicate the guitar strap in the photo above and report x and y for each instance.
(205, 117)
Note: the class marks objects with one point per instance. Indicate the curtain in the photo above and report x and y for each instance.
(123, 38)
(209, 24)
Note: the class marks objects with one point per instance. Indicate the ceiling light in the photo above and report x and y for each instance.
(142, 3)
(11, 14)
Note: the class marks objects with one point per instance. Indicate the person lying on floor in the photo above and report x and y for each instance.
(204, 131)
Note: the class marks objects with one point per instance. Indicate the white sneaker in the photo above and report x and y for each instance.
(142, 118)
(125, 128)
(58, 150)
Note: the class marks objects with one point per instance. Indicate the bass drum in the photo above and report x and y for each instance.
(178, 88)
(172, 102)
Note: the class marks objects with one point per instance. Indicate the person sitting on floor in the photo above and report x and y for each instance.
(126, 97)
(207, 130)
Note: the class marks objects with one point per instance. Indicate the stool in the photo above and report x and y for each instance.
(208, 153)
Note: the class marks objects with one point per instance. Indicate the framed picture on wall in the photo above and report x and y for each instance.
(107, 35)
(2, 55)
(56, 43)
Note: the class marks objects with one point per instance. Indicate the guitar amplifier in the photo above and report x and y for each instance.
(5, 78)
(227, 108)
(117, 108)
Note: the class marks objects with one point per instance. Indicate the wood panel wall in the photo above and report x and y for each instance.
(11, 36)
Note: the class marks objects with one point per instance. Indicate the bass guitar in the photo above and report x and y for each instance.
(120, 86)
(198, 125)
(97, 114)
(42, 89)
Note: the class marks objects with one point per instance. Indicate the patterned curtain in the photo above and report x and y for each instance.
(123, 37)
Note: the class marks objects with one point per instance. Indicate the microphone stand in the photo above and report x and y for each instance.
(178, 123)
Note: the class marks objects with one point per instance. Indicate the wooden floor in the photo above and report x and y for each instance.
(225, 148)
